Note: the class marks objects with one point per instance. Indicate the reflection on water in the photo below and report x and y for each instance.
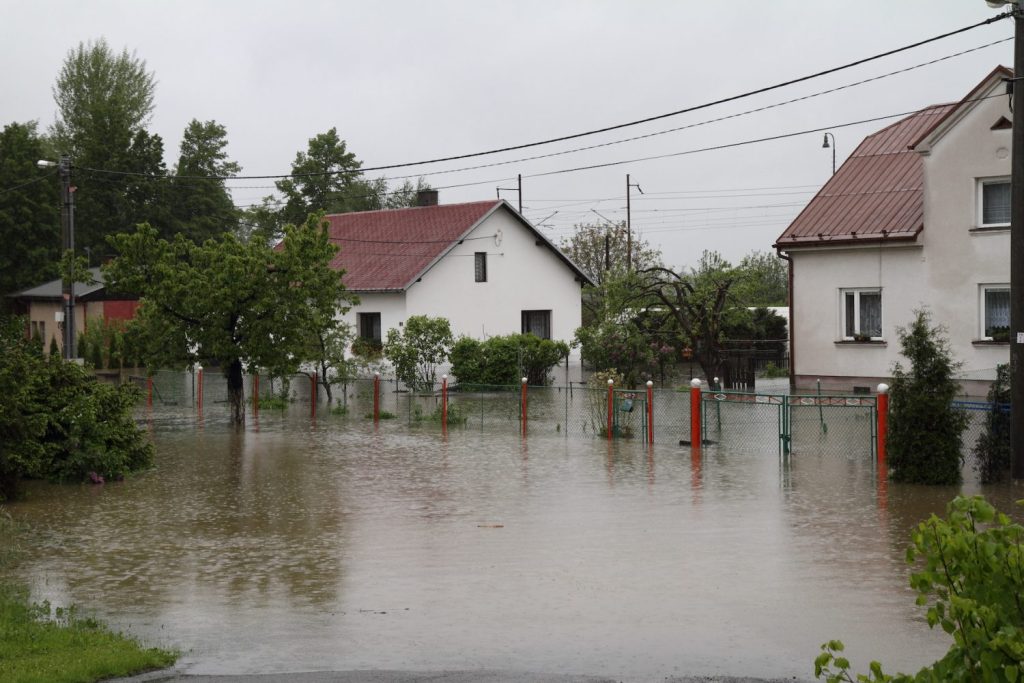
(294, 546)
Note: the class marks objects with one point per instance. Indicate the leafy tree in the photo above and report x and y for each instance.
(225, 302)
(104, 101)
(29, 210)
(992, 451)
(325, 178)
(505, 360)
(202, 207)
(924, 429)
(417, 350)
(600, 250)
(765, 280)
(57, 422)
(970, 578)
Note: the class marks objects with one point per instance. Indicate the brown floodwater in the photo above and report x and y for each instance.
(331, 545)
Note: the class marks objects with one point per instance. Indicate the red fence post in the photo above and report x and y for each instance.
(650, 411)
(883, 423)
(523, 404)
(314, 379)
(376, 397)
(199, 388)
(444, 403)
(149, 392)
(695, 435)
(611, 407)
(256, 393)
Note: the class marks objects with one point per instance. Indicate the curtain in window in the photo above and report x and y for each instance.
(871, 313)
(997, 311)
(995, 203)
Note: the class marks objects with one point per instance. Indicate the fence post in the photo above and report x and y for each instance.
(611, 407)
(695, 435)
(444, 403)
(376, 397)
(523, 404)
(313, 381)
(149, 391)
(883, 423)
(199, 387)
(650, 411)
(256, 393)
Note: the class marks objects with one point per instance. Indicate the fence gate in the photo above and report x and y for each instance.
(827, 425)
(629, 416)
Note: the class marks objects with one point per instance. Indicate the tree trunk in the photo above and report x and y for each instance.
(325, 382)
(236, 392)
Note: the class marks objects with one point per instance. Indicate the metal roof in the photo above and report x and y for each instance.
(54, 289)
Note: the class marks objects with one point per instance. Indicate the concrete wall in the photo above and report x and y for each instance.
(942, 271)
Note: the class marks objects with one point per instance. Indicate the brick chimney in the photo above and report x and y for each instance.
(426, 198)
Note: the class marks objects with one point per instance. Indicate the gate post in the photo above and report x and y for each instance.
(314, 380)
(883, 423)
(650, 412)
(256, 393)
(523, 405)
(444, 403)
(611, 407)
(149, 391)
(376, 397)
(199, 387)
(696, 438)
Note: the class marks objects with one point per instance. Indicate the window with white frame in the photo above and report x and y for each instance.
(862, 313)
(995, 312)
(994, 202)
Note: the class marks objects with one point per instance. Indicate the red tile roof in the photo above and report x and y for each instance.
(389, 250)
(876, 195)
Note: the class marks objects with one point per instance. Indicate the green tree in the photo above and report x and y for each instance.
(924, 428)
(764, 280)
(600, 250)
(104, 101)
(416, 350)
(326, 177)
(202, 207)
(29, 210)
(226, 303)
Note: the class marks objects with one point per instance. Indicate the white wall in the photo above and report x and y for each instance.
(942, 271)
(391, 307)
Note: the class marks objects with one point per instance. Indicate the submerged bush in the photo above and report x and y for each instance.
(992, 451)
(505, 360)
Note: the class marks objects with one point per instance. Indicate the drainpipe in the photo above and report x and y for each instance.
(792, 337)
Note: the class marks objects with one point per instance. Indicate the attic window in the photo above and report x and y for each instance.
(1002, 124)
(480, 266)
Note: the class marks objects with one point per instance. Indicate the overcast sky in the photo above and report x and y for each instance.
(409, 81)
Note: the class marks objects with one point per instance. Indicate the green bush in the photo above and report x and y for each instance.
(992, 451)
(970, 577)
(417, 350)
(924, 429)
(772, 371)
(504, 361)
(57, 422)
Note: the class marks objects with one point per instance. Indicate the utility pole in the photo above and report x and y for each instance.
(629, 226)
(67, 225)
(1017, 253)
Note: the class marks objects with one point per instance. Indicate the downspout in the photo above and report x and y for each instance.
(792, 339)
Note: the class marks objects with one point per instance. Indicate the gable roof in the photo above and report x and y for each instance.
(54, 289)
(876, 195)
(388, 251)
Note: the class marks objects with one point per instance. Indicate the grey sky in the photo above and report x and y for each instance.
(404, 81)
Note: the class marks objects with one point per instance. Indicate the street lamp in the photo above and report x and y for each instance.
(1016, 244)
(825, 145)
(67, 228)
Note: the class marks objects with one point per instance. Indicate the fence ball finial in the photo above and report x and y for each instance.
(523, 380)
(883, 388)
(611, 382)
(376, 374)
(695, 383)
(444, 377)
(650, 384)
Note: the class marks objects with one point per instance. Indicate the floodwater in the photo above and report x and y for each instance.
(331, 545)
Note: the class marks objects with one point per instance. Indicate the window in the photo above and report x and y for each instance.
(369, 327)
(480, 266)
(862, 314)
(537, 323)
(994, 202)
(995, 312)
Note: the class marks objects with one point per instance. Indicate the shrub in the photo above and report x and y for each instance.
(505, 360)
(418, 349)
(924, 429)
(772, 371)
(971, 574)
(992, 451)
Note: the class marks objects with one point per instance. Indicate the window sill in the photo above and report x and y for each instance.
(989, 228)
(990, 342)
(854, 342)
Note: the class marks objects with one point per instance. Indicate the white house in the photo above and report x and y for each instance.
(918, 216)
(481, 265)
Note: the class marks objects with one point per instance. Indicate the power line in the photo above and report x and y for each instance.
(7, 190)
(619, 126)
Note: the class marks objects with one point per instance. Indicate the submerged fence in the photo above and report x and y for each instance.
(742, 422)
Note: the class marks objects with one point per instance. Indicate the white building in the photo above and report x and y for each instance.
(481, 265)
(917, 217)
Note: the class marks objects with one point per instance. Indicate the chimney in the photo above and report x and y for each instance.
(426, 198)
